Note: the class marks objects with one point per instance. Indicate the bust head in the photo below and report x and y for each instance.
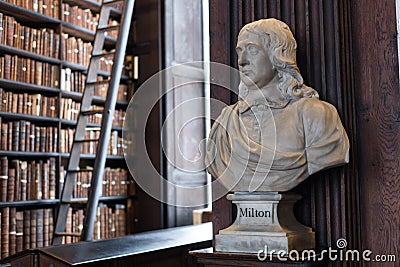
(279, 53)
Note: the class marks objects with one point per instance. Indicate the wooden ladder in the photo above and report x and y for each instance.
(118, 56)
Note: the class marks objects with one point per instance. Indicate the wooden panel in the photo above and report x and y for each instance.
(148, 31)
(378, 109)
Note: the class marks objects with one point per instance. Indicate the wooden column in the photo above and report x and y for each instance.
(220, 40)
(378, 119)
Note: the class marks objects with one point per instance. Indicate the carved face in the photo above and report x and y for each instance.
(253, 60)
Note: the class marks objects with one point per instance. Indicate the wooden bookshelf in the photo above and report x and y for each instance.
(24, 154)
(30, 203)
(117, 207)
(27, 15)
(92, 5)
(4, 49)
(26, 87)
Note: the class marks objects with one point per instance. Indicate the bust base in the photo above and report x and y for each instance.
(265, 222)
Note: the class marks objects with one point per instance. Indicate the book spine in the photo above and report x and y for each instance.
(17, 179)
(46, 218)
(38, 180)
(33, 218)
(14, 103)
(52, 179)
(5, 218)
(19, 231)
(24, 180)
(7, 67)
(4, 136)
(27, 229)
(20, 102)
(22, 135)
(51, 225)
(10, 31)
(33, 182)
(68, 226)
(4, 178)
(10, 135)
(37, 139)
(45, 180)
(11, 185)
(2, 93)
(39, 228)
(2, 27)
(13, 231)
(43, 139)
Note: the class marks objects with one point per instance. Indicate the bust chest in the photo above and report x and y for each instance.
(267, 127)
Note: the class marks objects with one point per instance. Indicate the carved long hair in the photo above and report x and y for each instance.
(281, 47)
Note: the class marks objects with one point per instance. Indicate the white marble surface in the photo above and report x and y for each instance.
(277, 229)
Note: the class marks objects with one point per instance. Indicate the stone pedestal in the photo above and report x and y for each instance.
(265, 221)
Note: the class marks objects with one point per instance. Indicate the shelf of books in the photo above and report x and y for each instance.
(45, 48)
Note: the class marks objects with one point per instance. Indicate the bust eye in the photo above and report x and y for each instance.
(252, 49)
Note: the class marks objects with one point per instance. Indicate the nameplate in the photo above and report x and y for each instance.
(255, 214)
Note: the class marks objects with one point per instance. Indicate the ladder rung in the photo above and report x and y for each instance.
(92, 111)
(86, 140)
(111, 2)
(81, 170)
(67, 234)
(98, 82)
(108, 28)
(75, 201)
(103, 54)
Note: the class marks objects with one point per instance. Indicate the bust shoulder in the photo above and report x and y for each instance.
(315, 111)
(312, 105)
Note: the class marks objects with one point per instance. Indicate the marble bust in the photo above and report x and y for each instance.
(279, 132)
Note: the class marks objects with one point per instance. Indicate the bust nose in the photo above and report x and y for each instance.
(242, 59)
